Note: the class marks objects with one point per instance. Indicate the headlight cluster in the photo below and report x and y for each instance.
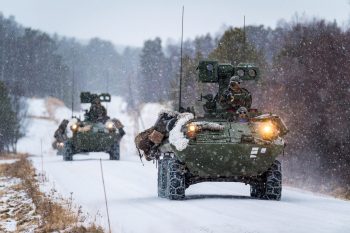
(74, 127)
(60, 145)
(267, 130)
(110, 126)
(192, 130)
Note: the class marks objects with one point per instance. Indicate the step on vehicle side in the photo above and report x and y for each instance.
(96, 133)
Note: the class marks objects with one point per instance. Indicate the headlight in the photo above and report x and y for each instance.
(60, 144)
(268, 131)
(192, 130)
(110, 125)
(74, 127)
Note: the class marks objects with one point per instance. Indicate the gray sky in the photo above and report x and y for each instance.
(130, 22)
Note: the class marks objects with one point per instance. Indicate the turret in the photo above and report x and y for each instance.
(89, 98)
(221, 73)
(215, 72)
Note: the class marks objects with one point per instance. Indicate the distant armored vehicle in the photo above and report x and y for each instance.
(231, 143)
(96, 133)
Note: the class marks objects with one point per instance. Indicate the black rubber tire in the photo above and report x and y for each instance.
(270, 185)
(162, 177)
(257, 190)
(175, 180)
(67, 152)
(273, 185)
(114, 154)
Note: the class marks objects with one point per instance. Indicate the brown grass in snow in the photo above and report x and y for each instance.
(55, 215)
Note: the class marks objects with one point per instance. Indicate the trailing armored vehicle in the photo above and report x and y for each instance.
(231, 142)
(95, 133)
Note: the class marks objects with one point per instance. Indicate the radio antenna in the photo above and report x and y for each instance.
(73, 83)
(244, 40)
(182, 38)
(107, 85)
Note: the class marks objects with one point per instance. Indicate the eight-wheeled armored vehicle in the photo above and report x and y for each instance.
(96, 133)
(225, 144)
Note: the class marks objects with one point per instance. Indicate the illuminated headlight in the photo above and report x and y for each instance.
(192, 130)
(74, 127)
(60, 144)
(110, 125)
(268, 131)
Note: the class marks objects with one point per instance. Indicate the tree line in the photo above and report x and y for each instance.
(305, 79)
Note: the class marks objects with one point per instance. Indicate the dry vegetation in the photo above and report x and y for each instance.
(10, 156)
(49, 214)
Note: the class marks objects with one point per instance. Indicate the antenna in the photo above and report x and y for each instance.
(107, 85)
(244, 40)
(73, 82)
(182, 38)
(244, 30)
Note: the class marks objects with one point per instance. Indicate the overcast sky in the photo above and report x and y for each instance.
(130, 22)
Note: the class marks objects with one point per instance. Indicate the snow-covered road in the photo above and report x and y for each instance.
(210, 207)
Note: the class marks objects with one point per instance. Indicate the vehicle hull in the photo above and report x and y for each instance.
(227, 160)
(93, 141)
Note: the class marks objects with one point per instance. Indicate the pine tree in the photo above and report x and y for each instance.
(153, 83)
(8, 121)
(233, 47)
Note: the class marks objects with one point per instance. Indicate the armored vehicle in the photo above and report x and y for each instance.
(96, 132)
(228, 144)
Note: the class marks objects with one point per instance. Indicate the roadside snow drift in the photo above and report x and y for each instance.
(132, 189)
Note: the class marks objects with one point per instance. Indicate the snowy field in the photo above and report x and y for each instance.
(132, 189)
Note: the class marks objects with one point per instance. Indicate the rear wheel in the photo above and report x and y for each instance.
(162, 177)
(175, 180)
(114, 154)
(67, 152)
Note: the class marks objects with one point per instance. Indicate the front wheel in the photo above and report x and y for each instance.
(175, 180)
(114, 154)
(67, 152)
(257, 190)
(273, 185)
(270, 186)
(162, 177)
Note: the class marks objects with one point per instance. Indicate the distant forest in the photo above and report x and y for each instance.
(305, 79)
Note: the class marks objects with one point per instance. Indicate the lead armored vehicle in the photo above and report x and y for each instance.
(237, 144)
(96, 132)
